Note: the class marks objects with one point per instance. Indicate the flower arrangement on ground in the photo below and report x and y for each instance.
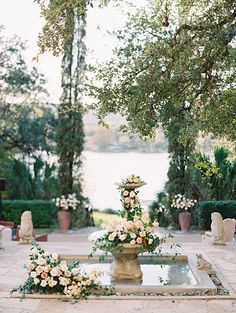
(182, 203)
(47, 274)
(67, 203)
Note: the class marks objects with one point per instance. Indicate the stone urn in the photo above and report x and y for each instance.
(64, 220)
(126, 265)
(185, 218)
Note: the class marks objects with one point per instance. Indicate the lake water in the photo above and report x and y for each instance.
(103, 171)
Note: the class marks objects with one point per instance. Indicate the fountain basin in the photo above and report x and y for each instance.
(163, 275)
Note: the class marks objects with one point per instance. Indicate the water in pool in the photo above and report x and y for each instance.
(153, 274)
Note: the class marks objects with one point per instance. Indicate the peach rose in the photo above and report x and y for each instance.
(44, 275)
(139, 240)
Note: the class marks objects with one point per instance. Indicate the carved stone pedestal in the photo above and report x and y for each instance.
(126, 265)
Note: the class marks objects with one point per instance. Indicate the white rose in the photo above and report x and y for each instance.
(133, 235)
(34, 251)
(64, 281)
(88, 282)
(33, 274)
(142, 233)
(52, 283)
(155, 224)
(43, 283)
(122, 237)
(63, 266)
(39, 269)
(55, 256)
(111, 237)
(36, 281)
(125, 193)
(55, 272)
(132, 242)
(145, 217)
(139, 240)
(40, 261)
(132, 194)
(75, 271)
(150, 241)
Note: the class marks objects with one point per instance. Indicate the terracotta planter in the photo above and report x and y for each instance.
(64, 220)
(185, 221)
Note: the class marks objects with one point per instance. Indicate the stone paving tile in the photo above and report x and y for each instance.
(153, 307)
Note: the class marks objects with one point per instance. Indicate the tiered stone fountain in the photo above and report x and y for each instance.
(126, 265)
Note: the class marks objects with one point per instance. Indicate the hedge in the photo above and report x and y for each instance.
(43, 211)
(226, 208)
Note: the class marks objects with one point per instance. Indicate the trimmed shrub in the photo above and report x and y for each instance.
(226, 208)
(43, 211)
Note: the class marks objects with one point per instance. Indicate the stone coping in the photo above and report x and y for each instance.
(127, 297)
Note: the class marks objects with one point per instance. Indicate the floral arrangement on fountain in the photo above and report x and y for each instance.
(134, 227)
(183, 203)
(69, 203)
(47, 274)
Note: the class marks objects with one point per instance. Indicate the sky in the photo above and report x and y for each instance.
(22, 17)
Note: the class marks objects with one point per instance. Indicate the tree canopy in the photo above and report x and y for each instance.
(26, 122)
(174, 57)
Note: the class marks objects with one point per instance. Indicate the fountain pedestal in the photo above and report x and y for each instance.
(126, 265)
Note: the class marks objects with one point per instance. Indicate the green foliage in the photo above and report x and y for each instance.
(70, 132)
(158, 210)
(151, 74)
(43, 211)
(25, 123)
(216, 179)
(226, 208)
(29, 179)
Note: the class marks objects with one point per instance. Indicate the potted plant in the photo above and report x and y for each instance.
(184, 204)
(65, 205)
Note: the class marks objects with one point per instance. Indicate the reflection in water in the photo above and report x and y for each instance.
(174, 274)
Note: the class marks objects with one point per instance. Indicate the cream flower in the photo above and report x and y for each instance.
(52, 282)
(132, 242)
(40, 261)
(31, 266)
(150, 241)
(125, 193)
(36, 281)
(139, 240)
(142, 233)
(122, 237)
(132, 194)
(64, 281)
(63, 266)
(132, 235)
(150, 229)
(33, 274)
(145, 218)
(155, 224)
(39, 269)
(55, 272)
(43, 283)
(55, 256)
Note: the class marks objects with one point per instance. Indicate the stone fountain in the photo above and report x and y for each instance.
(138, 232)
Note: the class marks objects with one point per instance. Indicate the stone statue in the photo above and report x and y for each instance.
(217, 229)
(204, 265)
(26, 228)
